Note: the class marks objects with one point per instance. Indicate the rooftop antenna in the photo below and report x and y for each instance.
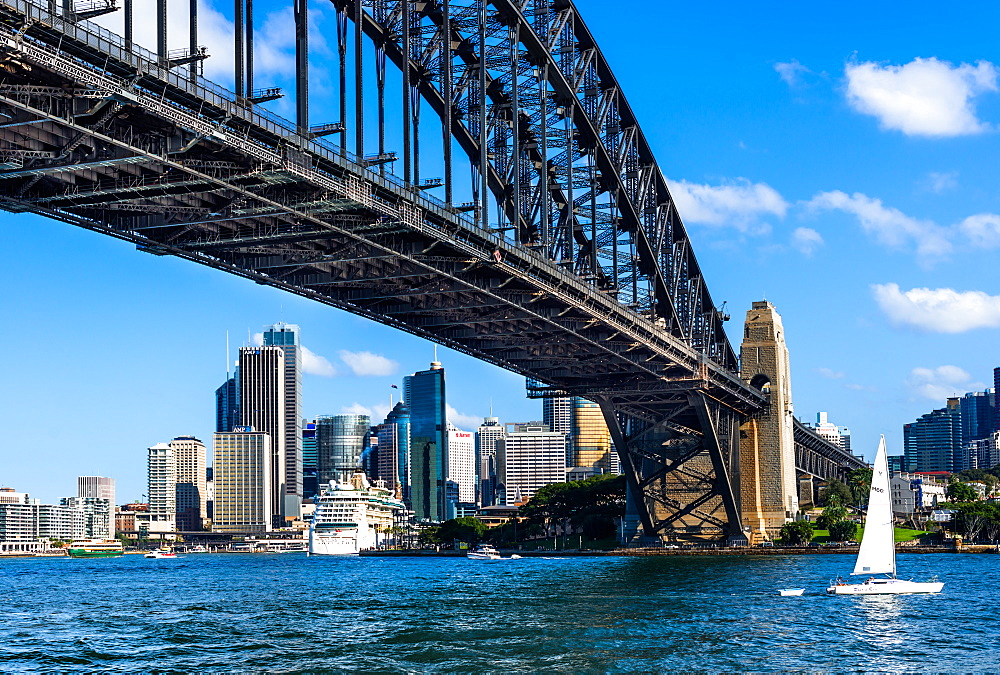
(435, 352)
(491, 406)
(227, 354)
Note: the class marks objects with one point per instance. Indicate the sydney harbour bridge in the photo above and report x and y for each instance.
(548, 243)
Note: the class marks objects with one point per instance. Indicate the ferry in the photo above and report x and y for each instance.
(96, 548)
(350, 515)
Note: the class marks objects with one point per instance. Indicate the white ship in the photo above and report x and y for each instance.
(351, 517)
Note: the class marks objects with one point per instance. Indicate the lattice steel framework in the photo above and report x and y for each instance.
(565, 259)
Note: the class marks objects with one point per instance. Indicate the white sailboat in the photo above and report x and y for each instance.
(877, 554)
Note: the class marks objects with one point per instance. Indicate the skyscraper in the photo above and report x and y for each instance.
(932, 442)
(424, 394)
(310, 459)
(590, 445)
(161, 490)
(286, 336)
(490, 431)
(192, 493)
(227, 403)
(262, 407)
(242, 475)
(830, 432)
(394, 449)
(96, 486)
(528, 459)
(462, 464)
(557, 412)
(340, 442)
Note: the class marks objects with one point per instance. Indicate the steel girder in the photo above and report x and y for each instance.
(586, 284)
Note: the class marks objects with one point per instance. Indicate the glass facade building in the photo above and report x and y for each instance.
(393, 453)
(590, 445)
(310, 459)
(286, 336)
(340, 442)
(932, 442)
(424, 394)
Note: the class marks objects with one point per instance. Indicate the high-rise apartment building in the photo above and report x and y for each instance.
(243, 475)
(424, 395)
(262, 380)
(528, 459)
(191, 491)
(340, 442)
(286, 336)
(98, 515)
(978, 413)
(161, 490)
(489, 432)
(462, 464)
(96, 486)
(394, 449)
(933, 441)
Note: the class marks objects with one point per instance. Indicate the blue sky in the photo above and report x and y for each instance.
(837, 159)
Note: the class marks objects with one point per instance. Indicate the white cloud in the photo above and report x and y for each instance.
(738, 204)
(461, 420)
(830, 373)
(257, 340)
(938, 310)
(806, 240)
(314, 364)
(355, 409)
(367, 363)
(982, 229)
(791, 72)
(889, 226)
(939, 182)
(925, 97)
(939, 383)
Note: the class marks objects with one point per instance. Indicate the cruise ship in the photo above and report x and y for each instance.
(350, 517)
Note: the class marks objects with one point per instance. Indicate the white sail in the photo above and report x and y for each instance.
(878, 552)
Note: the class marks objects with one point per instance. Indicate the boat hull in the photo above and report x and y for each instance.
(83, 553)
(344, 542)
(886, 587)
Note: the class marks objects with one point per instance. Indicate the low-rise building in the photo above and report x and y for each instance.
(914, 492)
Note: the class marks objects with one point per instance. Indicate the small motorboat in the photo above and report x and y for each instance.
(161, 553)
(515, 557)
(790, 591)
(483, 552)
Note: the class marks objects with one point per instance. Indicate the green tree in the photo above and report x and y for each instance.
(833, 513)
(835, 488)
(859, 481)
(797, 532)
(592, 506)
(960, 492)
(843, 530)
(466, 529)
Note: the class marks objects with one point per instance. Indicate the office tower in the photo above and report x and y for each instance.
(286, 336)
(394, 449)
(557, 412)
(490, 431)
(528, 459)
(340, 442)
(839, 436)
(243, 476)
(98, 514)
(209, 493)
(227, 403)
(932, 442)
(262, 406)
(424, 395)
(978, 411)
(590, 445)
(162, 489)
(189, 458)
(310, 458)
(96, 486)
(462, 464)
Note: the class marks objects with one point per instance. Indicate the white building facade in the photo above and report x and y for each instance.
(462, 462)
(242, 474)
(528, 459)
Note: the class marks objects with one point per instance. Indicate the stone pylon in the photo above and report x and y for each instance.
(768, 486)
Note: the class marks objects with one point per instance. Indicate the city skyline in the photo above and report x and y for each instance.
(795, 186)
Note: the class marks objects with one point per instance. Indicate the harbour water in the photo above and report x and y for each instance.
(287, 612)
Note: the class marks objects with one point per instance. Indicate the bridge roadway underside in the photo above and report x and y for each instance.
(818, 461)
(115, 142)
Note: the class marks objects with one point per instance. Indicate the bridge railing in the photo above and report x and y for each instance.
(145, 61)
